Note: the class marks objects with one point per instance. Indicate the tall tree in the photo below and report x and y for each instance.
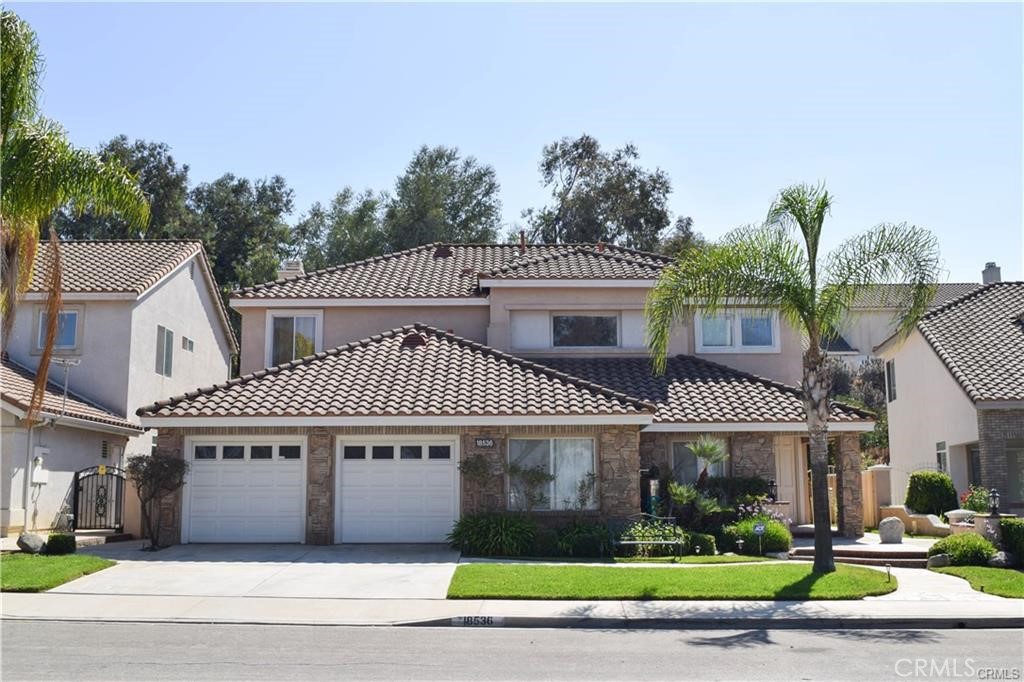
(41, 172)
(770, 268)
(600, 196)
(164, 183)
(443, 197)
(243, 226)
(350, 229)
(682, 238)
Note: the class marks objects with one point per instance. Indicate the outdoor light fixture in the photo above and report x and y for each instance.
(773, 490)
(739, 545)
(993, 502)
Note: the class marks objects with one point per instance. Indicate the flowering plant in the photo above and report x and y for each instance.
(759, 508)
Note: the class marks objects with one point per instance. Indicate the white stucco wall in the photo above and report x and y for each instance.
(930, 407)
(71, 449)
(865, 329)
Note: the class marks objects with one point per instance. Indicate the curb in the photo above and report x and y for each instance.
(823, 623)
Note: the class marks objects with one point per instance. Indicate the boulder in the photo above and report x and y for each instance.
(938, 561)
(782, 556)
(31, 543)
(891, 531)
(1002, 560)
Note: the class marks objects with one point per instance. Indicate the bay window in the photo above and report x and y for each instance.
(738, 331)
(292, 335)
(569, 462)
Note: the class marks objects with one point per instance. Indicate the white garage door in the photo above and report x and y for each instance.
(396, 491)
(246, 491)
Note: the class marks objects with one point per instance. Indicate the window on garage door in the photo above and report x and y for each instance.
(416, 452)
(246, 452)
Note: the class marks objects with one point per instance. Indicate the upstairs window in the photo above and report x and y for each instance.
(67, 330)
(585, 331)
(890, 380)
(739, 331)
(292, 336)
(942, 457)
(164, 351)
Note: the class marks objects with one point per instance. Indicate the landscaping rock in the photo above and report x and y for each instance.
(777, 555)
(890, 530)
(1002, 560)
(938, 561)
(31, 543)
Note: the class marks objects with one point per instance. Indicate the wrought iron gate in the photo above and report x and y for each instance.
(99, 498)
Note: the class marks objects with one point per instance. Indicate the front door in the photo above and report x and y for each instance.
(786, 475)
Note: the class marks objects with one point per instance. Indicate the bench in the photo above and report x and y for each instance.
(617, 529)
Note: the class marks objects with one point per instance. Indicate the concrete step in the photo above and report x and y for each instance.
(807, 531)
(93, 538)
(867, 552)
(871, 561)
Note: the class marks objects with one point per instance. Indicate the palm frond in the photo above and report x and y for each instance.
(887, 254)
(20, 69)
(803, 207)
(42, 171)
(54, 285)
(756, 266)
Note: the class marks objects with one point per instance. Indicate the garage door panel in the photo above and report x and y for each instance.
(246, 501)
(412, 500)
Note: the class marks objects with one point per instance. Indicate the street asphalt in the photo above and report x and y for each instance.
(41, 650)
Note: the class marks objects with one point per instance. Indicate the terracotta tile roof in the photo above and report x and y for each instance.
(129, 266)
(582, 262)
(980, 338)
(411, 371)
(892, 295)
(693, 390)
(125, 266)
(444, 271)
(16, 383)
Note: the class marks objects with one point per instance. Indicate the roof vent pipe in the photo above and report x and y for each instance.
(522, 242)
(991, 273)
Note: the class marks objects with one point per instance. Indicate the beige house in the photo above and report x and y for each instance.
(365, 385)
(141, 319)
(955, 391)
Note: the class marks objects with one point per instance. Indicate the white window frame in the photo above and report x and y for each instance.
(596, 503)
(736, 316)
(689, 441)
(162, 335)
(188, 344)
(220, 441)
(942, 456)
(584, 313)
(268, 335)
(40, 315)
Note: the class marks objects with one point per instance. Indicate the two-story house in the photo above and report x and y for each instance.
(955, 391)
(365, 385)
(140, 320)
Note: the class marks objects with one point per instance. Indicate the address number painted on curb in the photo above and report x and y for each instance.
(479, 621)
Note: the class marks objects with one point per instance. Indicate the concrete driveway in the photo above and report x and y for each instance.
(297, 571)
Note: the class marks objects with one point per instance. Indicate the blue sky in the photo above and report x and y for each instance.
(908, 112)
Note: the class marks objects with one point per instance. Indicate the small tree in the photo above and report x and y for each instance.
(154, 478)
(710, 451)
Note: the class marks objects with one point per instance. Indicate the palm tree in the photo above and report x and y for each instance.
(40, 172)
(768, 267)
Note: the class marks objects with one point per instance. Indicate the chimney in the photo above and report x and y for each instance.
(522, 242)
(600, 246)
(290, 269)
(991, 273)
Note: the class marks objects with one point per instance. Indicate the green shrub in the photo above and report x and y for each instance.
(581, 539)
(493, 534)
(650, 530)
(733, 488)
(1012, 531)
(701, 543)
(964, 549)
(726, 538)
(931, 492)
(61, 543)
(776, 538)
(545, 543)
(974, 498)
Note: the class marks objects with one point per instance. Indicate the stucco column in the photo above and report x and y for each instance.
(320, 489)
(848, 482)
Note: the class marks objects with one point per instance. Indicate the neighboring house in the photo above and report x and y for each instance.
(140, 320)
(955, 390)
(365, 385)
(872, 317)
(71, 434)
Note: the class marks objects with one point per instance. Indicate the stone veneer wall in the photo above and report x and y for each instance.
(750, 454)
(618, 464)
(849, 494)
(995, 428)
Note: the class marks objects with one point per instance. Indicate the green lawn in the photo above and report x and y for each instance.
(1004, 582)
(37, 573)
(775, 581)
(694, 559)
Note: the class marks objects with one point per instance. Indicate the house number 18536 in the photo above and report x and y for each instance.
(478, 621)
(485, 442)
